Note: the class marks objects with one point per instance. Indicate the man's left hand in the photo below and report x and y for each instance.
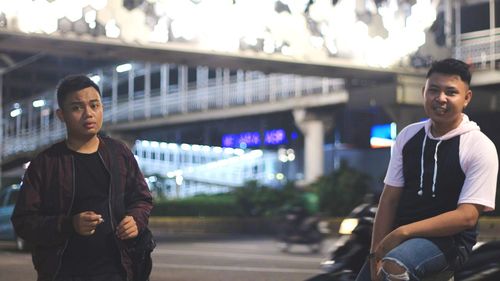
(127, 228)
(391, 241)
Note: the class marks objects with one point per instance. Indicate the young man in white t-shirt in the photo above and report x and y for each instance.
(442, 175)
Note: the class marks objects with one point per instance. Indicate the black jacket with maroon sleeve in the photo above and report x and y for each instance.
(42, 213)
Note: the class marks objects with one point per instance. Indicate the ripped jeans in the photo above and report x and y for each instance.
(418, 256)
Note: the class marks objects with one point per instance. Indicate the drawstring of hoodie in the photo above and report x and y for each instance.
(420, 190)
(434, 176)
(435, 169)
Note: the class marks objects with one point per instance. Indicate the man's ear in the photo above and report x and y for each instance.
(60, 115)
(468, 97)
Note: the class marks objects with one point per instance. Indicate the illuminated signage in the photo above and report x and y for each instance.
(383, 135)
(254, 139)
(275, 137)
(242, 140)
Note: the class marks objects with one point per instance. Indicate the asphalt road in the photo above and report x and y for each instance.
(242, 259)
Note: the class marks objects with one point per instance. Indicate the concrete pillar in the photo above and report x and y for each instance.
(147, 90)
(114, 96)
(164, 85)
(131, 91)
(313, 129)
(1, 128)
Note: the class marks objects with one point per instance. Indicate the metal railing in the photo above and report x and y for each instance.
(481, 48)
(217, 94)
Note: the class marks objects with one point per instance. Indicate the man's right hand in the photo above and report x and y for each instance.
(374, 268)
(85, 223)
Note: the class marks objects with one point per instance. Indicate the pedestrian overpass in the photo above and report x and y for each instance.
(160, 100)
(223, 96)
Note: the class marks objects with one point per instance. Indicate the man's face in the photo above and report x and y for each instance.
(445, 97)
(82, 112)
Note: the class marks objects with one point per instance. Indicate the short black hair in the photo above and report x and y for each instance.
(73, 83)
(452, 67)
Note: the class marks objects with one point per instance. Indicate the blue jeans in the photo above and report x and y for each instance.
(420, 257)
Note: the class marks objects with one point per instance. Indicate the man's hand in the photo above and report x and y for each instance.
(391, 241)
(375, 268)
(85, 223)
(127, 228)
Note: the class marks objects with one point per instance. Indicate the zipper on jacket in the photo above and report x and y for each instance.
(110, 209)
(69, 215)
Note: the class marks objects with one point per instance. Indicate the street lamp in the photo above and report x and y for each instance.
(39, 103)
(44, 113)
(16, 113)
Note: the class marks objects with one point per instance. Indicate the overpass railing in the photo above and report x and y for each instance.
(28, 132)
(481, 48)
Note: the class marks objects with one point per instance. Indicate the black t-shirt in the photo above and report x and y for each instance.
(95, 254)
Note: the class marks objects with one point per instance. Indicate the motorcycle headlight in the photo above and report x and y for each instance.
(348, 225)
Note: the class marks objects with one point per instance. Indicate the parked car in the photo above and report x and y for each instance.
(8, 197)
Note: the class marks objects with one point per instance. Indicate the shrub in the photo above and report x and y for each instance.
(341, 190)
(199, 206)
(257, 200)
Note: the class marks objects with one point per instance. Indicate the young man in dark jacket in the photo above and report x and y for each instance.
(83, 200)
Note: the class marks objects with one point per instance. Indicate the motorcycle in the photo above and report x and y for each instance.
(483, 263)
(347, 255)
(302, 229)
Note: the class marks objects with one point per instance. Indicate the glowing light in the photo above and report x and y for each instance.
(38, 103)
(160, 31)
(348, 225)
(98, 4)
(123, 67)
(269, 46)
(283, 158)
(383, 135)
(112, 29)
(239, 151)
(16, 112)
(179, 180)
(90, 16)
(224, 25)
(26, 165)
(95, 78)
(286, 50)
(317, 41)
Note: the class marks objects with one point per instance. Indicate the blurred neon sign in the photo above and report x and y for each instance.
(383, 135)
(255, 139)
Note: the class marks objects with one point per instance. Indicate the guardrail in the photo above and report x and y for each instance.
(481, 48)
(216, 95)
